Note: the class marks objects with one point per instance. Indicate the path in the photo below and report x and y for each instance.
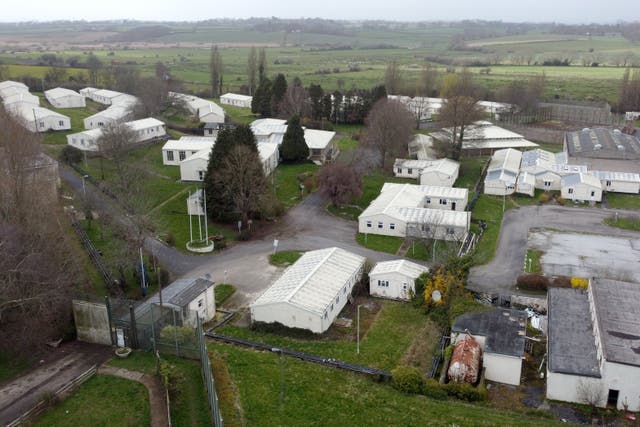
(499, 275)
(157, 399)
(60, 367)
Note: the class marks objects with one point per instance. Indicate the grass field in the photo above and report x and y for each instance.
(490, 210)
(624, 222)
(102, 401)
(223, 292)
(623, 201)
(388, 244)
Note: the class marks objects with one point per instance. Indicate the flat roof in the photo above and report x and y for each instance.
(191, 144)
(314, 281)
(237, 96)
(616, 176)
(504, 329)
(602, 143)
(60, 92)
(571, 344)
(582, 178)
(144, 123)
(618, 314)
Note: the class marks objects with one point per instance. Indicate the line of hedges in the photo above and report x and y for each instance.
(408, 380)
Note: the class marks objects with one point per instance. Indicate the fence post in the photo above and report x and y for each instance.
(107, 302)
(133, 333)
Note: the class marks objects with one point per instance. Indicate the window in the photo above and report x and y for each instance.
(380, 224)
(593, 193)
(181, 155)
(450, 230)
(383, 283)
(331, 307)
(201, 175)
(410, 171)
(41, 124)
(570, 191)
(100, 124)
(428, 201)
(170, 156)
(608, 183)
(61, 123)
(425, 228)
(200, 303)
(547, 183)
(443, 201)
(392, 226)
(404, 286)
(368, 224)
(399, 170)
(325, 315)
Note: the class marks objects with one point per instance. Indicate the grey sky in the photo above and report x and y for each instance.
(571, 11)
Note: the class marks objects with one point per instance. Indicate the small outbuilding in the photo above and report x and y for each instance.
(322, 146)
(175, 151)
(189, 297)
(502, 172)
(395, 279)
(618, 182)
(501, 335)
(236, 100)
(581, 187)
(312, 292)
(39, 119)
(113, 114)
(64, 98)
(526, 184)
(440, 173)
(409, 168)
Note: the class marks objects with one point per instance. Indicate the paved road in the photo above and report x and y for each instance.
(499, 276)
(307, 226)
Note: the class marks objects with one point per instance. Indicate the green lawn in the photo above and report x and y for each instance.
(624, 222)
(287, 180)
(470, 171)
(532, 261)
(103, 400)
(284, 258)
(316, 395)
(190, 408)
(223, 292)
(489, 209)
(346, 144)
(238, 114)
(524, 200)
(385, 343)
(623, 201)
(388, 244)
(423, 251)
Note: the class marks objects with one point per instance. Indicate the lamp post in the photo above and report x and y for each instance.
(84, 189)
(358, 330)
(276, 350)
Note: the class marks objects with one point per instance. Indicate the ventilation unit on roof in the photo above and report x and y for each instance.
(597, 146)
(620, 147)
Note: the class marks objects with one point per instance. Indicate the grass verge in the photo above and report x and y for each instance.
(388, 244)
(284, 258)
(287, 179)
(223, 292)
(624, 222)
(489, 210)
(623, 201)
(533, 261)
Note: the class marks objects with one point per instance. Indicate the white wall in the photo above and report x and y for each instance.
(502, 369)
(565, 387)
(150, 133)
(382, 224)
(498, 188)
(403, 172)
(68, 102)
(626, 379)
(438, 179)
(581, 192)
(445, 203)
(555, 180)
(621, 186)
(236, 102)
(396, 285)
(189, 169)
(204, 305)
(288, 315)
(212, 117)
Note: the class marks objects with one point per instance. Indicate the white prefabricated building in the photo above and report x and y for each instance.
(64, 98)
(39, 119)
(502, 172)
(395, 279)
(236, 100)
(581, 187)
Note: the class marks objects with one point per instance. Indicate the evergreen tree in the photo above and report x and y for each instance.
(277, 93)
(294, 147)
(261, 102)
(215, 71)
(315, 94)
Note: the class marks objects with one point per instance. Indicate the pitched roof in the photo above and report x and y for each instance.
(504, 329)
(313, 282)
(507, 160)
(144, 123)
(616, 176)
(446, 166)
(190, 143)
(582, 178)
(60, 92)
(237, 96)
(318, 139)
(402, 266)
(179, 293)
(437, 217)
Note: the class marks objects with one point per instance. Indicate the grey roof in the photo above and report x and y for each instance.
(504, 329)
(571, 345)
(178, 294)
(618, 315)
(602, 143)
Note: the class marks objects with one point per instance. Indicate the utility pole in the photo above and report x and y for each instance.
(358, 330)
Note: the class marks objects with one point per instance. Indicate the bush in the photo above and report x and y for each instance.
(407, 379)
(533, 282)
(562, 282)
(579, 282)
(244, 235)
(170, 239)
(70, 155)
(181, 335)
(560, 200)
(434, 390)
(163, 276)
(171, 378)
(544, 198)
(464, 391)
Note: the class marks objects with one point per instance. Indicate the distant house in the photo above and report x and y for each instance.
(113, 114)
(206, 111)
(440, 173)
(321, 144)
(312, 292)
(592, 344)
(20, 98)
(190, 298)
(395, 279)
(104, 96)
(581, 187)
(618, 182)
(175, 151)
(119, 110)
(39, 119)
(64, 98)
(10, 88)
(144, 130)
(526, 184)
(236, 100)
(405, 210)
(501, 335)
(502, 172)
(407, 168)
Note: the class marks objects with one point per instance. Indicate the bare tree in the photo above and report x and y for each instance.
(93, 65)
(340, 182)
(392, 78)
(590, 392)
(55, 76)
(295, 102)
(388, 130)
(113, 144)
(153, 97)
(252, 69)
(215, 71)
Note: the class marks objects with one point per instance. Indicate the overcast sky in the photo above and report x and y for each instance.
(571, 11)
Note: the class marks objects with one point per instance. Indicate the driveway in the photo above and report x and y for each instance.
(499, 275)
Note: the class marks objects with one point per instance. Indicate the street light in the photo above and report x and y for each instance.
(276, 350)
(84, 190)
(358, 330)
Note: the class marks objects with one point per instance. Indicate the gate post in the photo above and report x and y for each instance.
(107, 302)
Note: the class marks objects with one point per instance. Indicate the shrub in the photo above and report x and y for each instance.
(533, 282)
(465, 391)
(407, 379)
(170, 239)
(70, 155)
(181, 335)
(171, 378)
(434, 390)
(560, 200)
(163, 276)
(562, 282)
(244, 235)
(544, 198)
(579, 282)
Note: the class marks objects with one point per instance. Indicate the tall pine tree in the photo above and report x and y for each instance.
(294, 147)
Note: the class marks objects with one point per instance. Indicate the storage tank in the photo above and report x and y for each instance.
(465, 361)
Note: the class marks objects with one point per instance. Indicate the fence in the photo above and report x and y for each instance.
(207, 376)
(439, 356)
(94, 254)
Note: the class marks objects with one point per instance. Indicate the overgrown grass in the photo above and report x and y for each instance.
(624, 222)
(489, 209)
(524, 200)
(348, 212)
(238, 114)
(284, 258)
(623, 201)
(342, 398)
(425, 251)
(190, 407)
(532, 261)
(288, 178)
(347, 144)
(470, 171)
(103, 400)
(223, 292)
(11, 367)
(388, 244)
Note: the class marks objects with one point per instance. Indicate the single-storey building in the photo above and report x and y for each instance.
(10, 88)
(440, 173)
(618, 182)
(87, 140)
(581, 187)
(402, 210)
(175, 151)
(104, 96)
(592, 344)
(113, 114)
(501, 335)
(20, 98)
(144, 130)
(88, 91)
(322, 146)
(270, 156)
(269, 130)
(311, 292)
(206, 111)
(39, 119)
(395, 279)
(64, 98)
(526, 184)
(601, 143)
(502, 172)
(236, 100)
(212, 129)
(190, 297)
(408, 168)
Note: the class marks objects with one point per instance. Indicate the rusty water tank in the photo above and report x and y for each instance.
(465, 361)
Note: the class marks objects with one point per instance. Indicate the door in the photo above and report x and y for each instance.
(612, 399)
(453, 206)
